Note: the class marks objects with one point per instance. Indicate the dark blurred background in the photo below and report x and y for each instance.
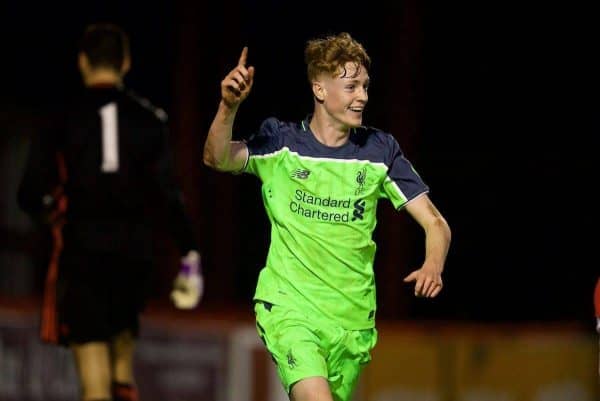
(495, 103)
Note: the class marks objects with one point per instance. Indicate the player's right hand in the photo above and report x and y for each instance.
(428, 281)
(236, 86)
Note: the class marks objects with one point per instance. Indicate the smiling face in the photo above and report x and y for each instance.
(344, 95)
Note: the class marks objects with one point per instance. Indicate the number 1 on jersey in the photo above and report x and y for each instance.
(110, 138)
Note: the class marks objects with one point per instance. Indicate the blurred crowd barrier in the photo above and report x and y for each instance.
(220, 358)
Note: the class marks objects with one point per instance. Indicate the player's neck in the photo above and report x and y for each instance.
(102, 78)
(328, 131)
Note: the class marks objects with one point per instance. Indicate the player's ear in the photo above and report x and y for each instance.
(318, 91)
(126, 65)
(83, 62)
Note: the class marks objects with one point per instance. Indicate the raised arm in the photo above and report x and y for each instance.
(220, 152)
(428, 279)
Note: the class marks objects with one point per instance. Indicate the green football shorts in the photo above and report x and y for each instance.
(305, 347)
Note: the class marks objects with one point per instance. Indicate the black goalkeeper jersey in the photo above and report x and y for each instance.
(118, 163)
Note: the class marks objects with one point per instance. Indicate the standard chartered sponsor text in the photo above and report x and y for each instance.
(310, 206)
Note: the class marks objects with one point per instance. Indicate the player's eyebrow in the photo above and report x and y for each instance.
(356, 80)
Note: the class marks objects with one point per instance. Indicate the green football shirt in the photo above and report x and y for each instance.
(321, 202)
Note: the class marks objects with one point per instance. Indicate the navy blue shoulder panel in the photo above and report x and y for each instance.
(268, 139)
(365, 143)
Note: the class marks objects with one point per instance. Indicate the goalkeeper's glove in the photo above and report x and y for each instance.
(188, 286)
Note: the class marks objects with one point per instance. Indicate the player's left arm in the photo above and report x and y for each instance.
(428, 278)
(188, 286)
(40, 182)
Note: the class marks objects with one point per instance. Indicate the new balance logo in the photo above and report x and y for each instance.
(359, 209)
(300, 173)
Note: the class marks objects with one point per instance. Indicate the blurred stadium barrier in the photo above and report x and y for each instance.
(451, 362)
(223, 360)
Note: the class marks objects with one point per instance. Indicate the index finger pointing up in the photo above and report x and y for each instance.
(243, 56)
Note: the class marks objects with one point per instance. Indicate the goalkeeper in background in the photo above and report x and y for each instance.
(92, 175)
(321, 180)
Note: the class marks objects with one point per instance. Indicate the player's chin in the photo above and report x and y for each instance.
(355, 121)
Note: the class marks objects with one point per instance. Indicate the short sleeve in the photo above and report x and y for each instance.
(263, 148)
(402, 183)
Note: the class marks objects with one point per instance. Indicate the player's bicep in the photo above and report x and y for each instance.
(238, 157)
(424, 211)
